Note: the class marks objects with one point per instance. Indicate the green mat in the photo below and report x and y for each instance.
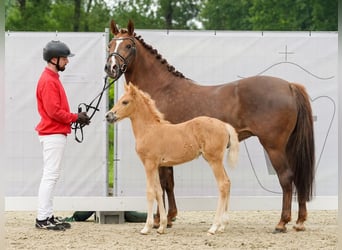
(134, 216)
(130, 216)
(79, 216)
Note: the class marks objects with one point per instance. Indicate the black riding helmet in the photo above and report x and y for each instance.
(56, 49)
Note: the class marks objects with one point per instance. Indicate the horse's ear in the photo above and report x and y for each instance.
(130, 27)
(114, 28)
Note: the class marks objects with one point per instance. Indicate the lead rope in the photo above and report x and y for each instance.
(77, 127)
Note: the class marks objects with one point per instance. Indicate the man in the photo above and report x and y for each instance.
(55, 124)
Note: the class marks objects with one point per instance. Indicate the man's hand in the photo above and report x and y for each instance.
(83, 118)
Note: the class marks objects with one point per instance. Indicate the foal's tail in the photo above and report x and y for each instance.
(234, 148)
(300, 149)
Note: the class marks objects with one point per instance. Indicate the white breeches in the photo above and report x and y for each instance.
(53, 149)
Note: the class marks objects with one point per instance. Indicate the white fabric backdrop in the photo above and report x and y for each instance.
(208, 58)
(212, 58)
(84, 168)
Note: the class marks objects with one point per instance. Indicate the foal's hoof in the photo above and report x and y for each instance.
(160, 231)
(144, 232)
(279, 230)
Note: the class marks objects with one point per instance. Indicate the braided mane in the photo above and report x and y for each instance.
(159, 57)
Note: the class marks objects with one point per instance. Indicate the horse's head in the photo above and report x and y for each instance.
(125, 105)
(121, 50)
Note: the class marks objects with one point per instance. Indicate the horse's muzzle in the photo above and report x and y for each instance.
(112, 71)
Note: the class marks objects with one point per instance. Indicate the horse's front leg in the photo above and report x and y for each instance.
(167, 184)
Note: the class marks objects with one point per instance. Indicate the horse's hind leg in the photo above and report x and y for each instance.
(285, 175)
(302, 214)
(167, 184)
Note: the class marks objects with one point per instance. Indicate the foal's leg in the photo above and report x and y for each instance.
(167, 184)
(223, 183)
(161, 207)
(225, 216)
(150, 172)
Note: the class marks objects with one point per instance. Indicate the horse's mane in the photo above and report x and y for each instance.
(159, 57)
(151, 104)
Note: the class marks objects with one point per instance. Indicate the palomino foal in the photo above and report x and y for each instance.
(160, 143)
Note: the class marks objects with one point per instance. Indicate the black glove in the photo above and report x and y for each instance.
(83, 118)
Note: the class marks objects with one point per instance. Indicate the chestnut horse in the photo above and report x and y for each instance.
(276, 111)
(160, 143)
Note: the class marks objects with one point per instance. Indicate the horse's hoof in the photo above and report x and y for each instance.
(279, 230)
(299, 227)
(169, 225)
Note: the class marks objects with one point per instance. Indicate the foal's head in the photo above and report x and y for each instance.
(125, 106)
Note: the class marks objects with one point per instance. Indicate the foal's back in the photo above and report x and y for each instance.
(172, 144)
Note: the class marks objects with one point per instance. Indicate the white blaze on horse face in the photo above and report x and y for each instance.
(115, 51)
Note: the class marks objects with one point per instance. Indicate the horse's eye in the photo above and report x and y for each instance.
(129, 46)
(124, 102)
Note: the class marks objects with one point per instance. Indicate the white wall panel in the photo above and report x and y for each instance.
(84, 167)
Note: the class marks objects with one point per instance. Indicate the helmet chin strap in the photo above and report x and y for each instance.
(56, 64)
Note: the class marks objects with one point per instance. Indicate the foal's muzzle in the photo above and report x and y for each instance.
(110, 116)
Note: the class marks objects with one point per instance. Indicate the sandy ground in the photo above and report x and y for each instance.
(246, 230)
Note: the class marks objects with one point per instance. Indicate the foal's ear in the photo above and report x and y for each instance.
(114, 28)
(130, 27)
(132, 89)
(127, 86)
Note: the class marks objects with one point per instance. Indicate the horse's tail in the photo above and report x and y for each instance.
(233, 144)
(300, 149)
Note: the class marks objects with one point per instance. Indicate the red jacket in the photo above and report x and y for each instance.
(53, 105)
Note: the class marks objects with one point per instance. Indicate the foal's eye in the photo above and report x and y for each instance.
(129, 46)
(124, 102)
